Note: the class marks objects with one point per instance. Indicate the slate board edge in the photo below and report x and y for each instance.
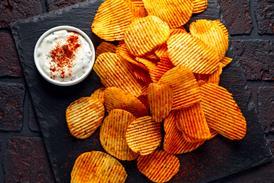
(60, 11)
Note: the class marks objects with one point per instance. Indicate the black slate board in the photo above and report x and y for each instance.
(215, 159)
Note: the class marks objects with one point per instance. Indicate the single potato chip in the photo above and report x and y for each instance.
(193, 123)
(145, 34)
(84, 116)
(114, 72)
(112, 19)
(144, 135)
(138, 8)
(116, 98)
(185, 88)
(113, 134)
(105, 47)
(96, 166)
(199, 6)
(174, 141)
(158, 166)
(222, 112)
(99, 94)
(188, 51)
(214, 31)
(160, 98)
(175, 12)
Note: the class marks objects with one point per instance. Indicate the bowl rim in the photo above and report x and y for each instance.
(41, 71)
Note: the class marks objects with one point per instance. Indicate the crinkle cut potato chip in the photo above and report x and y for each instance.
(193, 123)
(98, 94)
(215, 77)
(174, 141)
(162, 67)
(113, 134)
(145, 34)
(188, 51)
(175, 12)
(116, 98)
(115, 72)
(222, 112)
(185, 88)
(138, 8)
(212, 30)
(112, 19)
(199, 6)
(160, 97)
(96, 166)
(158, 166)
(105, 47)
(177, 31)
(84, 116)
(144, 135)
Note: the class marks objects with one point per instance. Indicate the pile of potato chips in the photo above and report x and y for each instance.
(157, 74)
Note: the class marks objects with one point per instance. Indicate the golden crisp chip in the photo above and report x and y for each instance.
(215, 77)
(160, 98)
(114, 72)
(138, 8)
(199, 6)
(225, 61)
(174, 141)
(105, 47)
(214, 31)
(112, 19)
(193, 123)
(84, 116)
(158, 166)
(99, 94)
(175, 12)
(113, 134)
(222, 112)
(185, 88)
(145, 34)
(161, 68)
(188, 51)
(116, 98)
(144, 135)
(96, 166)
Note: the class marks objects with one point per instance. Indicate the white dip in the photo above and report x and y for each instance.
(64, 55)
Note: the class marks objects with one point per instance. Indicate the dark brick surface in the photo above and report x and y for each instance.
(9, 62)
(236, 16)
(26, 161)
(265, 16)
(11, 106)
(266, 108)
(256, 58)
(56, 4)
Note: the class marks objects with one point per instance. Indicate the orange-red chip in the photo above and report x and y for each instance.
(84, 116)
(98, 94)
(188, 51)
(199, 6)
(185, 88)
(214, 31)
(193, 123)
(161, 51)
(138, 8)
(175, 12)
(222, 112)
(160, 98)
(114, 72)
(144, 135)
(113, 134)
(161, 68)
(105, 47)
(112, 19)
(96, 166)
(174, 141)
(158, 166)
(116, 98)
(145, 34)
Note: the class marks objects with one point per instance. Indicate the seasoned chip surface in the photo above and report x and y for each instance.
(105, 47)
(199, 6)
(113, 134)
(84, 116)
(158, 166)
(96, 166)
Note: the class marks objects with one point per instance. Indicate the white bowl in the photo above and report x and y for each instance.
(64, 83)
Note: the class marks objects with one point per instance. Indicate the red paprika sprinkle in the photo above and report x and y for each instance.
(62, 56)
